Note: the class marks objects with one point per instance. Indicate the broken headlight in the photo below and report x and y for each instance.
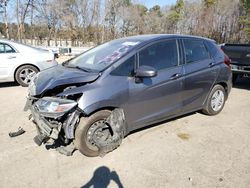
(54, 107)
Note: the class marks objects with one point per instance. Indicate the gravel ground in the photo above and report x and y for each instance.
(191, 151)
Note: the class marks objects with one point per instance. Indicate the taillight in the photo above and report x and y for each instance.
(227, 60)
(49, 61)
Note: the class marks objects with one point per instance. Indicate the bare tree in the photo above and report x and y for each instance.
(82, 21)
(3, 5)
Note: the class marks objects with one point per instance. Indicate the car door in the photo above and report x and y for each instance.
(200, 72)
(154, 99)
(8, 61)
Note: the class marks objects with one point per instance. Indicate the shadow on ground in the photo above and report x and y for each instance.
(8, 84)
(242, 83)
(102, 177)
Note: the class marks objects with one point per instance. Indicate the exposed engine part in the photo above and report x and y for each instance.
(17, 133)
(54, 124)
(117, 123)
(38, 139)
(55, 132)
(70, 124)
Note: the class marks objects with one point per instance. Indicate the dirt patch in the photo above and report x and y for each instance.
(183, 136)
(63, 58)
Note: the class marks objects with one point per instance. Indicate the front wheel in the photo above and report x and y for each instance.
(24, 74)
(91, 130)
(215, 101)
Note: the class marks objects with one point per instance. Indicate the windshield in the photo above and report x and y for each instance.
(100, 57)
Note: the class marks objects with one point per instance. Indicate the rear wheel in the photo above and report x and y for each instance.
(90, 131)
(24, 74)
(215, 101)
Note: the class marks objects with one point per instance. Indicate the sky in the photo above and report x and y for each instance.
(151, 3)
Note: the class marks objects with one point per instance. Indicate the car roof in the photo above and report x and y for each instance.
(151, 37)
(9, 41)
(22, 47)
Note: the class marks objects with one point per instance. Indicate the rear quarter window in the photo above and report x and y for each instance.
(213, 49)
(195, 50)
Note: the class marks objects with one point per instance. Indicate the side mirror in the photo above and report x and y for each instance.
(145, 72)
(56, 55)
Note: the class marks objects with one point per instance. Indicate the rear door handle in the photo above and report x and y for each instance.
(175, 76)
(211, 64)
(11, 57)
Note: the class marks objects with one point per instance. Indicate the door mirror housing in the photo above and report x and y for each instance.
(145, 72)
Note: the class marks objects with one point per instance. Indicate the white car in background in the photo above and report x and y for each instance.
(19, 62)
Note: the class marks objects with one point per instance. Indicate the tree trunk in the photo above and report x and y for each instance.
(5, 20)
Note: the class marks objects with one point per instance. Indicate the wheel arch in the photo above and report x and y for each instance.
(91, 111)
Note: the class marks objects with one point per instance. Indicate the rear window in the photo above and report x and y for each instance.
(195, 50)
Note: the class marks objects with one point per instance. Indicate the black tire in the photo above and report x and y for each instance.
(20, 75)
(82, 130)
(208, 109)
(234, 78)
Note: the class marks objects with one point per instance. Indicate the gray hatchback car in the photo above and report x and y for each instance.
(94, 100)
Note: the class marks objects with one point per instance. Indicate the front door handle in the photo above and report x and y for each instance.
(175, 76)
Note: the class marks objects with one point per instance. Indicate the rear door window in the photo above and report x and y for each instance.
(2, 49)
(5, 48)
(9, 49)
(195, 50)
(160, 55)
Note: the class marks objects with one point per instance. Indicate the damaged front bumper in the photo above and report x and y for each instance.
(44, 129)
(49, 127)
(55, 130)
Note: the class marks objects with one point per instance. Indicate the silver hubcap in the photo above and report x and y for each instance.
(26, 75)
(217, 100)
(98, 132)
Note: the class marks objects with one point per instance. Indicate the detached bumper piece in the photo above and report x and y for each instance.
(17, 133)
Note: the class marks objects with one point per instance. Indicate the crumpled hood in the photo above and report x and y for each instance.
(59, 76)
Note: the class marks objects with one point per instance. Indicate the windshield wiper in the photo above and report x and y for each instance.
(67, 62)
(77, 67)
